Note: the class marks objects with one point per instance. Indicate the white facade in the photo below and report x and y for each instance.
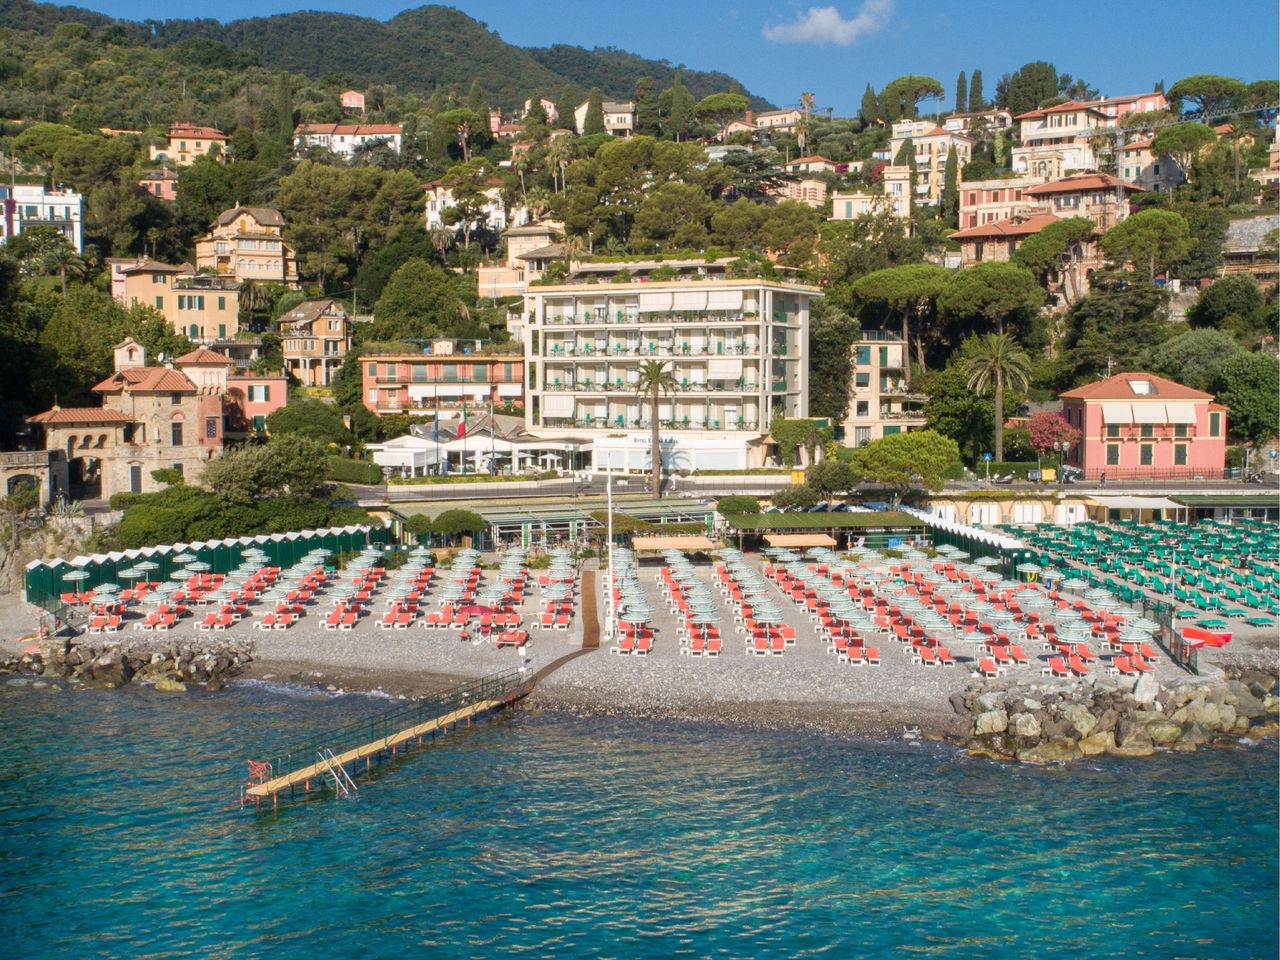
(619, 118)
(737, 350)
(344, 138)
(440, 198)
(26, 206)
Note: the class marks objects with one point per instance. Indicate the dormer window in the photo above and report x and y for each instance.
(1142, 388)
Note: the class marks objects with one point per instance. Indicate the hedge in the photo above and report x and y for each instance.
(352, 471)
(475, 478)
(738, 503)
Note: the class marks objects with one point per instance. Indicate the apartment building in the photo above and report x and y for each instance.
(736, 348)
(993, 121)
(881, 402)
(161, 184)
(1140, 166)
(314, 338)
(989, 201)
(187, 143)
(439, 198)
(1097, 196)
(1058, 140)
(25, 206)
(446, 375)
(619, 117)
(895, 198)
(344, 139)
(931, 145)
(247, 243)
(204, 308)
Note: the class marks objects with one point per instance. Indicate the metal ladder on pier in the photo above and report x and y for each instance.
(343, 785)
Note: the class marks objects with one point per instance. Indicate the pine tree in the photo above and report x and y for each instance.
(951, 188)
(870, 106)
(594, 122)
(976, 103)
(646, 107)
(962, 96)
(679, 108)
(284, 108)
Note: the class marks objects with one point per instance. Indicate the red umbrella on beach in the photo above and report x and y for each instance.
(475, 609)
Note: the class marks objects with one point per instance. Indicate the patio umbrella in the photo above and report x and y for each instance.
(76, 575)
(987, 562)
(1143, 623)
(147, 566)
(199, 567)
(183, 558)
(107, 588)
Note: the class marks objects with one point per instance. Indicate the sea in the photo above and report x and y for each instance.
(540, 834)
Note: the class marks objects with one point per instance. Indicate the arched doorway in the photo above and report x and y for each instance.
(84, 478)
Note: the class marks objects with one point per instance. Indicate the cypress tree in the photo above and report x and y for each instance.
(951, 188)
(565, 108)
(976, 102)
(962, 96)
(477, 102)
(647, 119)
(870, 110)
(594, 122)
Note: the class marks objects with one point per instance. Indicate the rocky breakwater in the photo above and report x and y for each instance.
(168, 664)
(1044, 723)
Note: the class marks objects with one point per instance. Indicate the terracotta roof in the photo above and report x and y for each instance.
(1118, 388)
(264, 215)
(1069, 107)
(1139, 144)
(1016, 226)
(78, 415)
(147, 380)
(153, 266)
(816, 158)
(203, 133)
(349, 129)
(203, 356)
(308, 311)
(1076, 184)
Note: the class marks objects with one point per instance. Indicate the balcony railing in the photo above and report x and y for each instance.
(604, 424)
(560, 352)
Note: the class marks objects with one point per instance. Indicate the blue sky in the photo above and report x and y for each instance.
(779, 49)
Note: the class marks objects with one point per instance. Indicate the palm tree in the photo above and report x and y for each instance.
(62, 259)
(998, 361)
(655, 380)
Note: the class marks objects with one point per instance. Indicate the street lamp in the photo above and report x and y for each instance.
(1061, 447)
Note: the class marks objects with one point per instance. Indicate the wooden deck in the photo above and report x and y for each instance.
(321, 768)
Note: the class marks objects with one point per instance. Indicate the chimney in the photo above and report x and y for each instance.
(750, 116)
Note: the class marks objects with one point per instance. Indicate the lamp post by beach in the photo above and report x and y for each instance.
(609, 612)
(1061, 447)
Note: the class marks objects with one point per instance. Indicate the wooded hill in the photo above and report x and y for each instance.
(418, 51)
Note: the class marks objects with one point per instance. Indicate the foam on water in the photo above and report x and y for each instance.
(547, 835)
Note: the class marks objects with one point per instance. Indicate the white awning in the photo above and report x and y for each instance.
(655, 302)
(724, 300)
(724, 368)
(1181, 412)
(1136, 503)
(557, 405)
(1117, 413)
(1149, 412)
(510, 390)
(689, 300)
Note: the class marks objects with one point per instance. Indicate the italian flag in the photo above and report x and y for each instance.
(462, 425)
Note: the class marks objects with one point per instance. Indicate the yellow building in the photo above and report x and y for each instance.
(187, 143)
(204, 308)
(247, 243)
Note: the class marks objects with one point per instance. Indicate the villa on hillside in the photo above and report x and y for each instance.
(247, 243)
(186, 143)
(314, 338)
(344, 139)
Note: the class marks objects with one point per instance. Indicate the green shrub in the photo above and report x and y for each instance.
(1018, 468)
(738, 505)
(344, 470)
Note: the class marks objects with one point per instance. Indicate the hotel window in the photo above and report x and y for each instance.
(1113, 431)
(175, 399)
(157, 278)
(862, 380)
(259, 423)
(211, 427)
(372, 370)
(175, 434)
(1215, 423)
(863, 356)
(222, 303)
(1147, 431)
(159, 303)
(863, 409)
(1180, 430)
(884, 356)
(1145, 454)
(1113, 454)
(1179, 454)
(861, 436)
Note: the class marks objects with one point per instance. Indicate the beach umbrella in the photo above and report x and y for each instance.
(183, 558)
(179, 576)
(1097, 593)
(76, 575)
(199, 566)
(107, 588)
(1143, 623)
(146, 566)
(1072, 584)
(987, 562)
(1135, 636)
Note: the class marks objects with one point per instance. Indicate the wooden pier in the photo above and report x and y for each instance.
(404, 726)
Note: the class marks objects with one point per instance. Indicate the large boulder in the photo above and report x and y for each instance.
(988, 701)
(1051, 751)
(1192, 737)
(1025, 725)
(1242, 698)
(165, 685)
(991, 721)
(1163, 732)
(1097, 743)
(1145, 690)
(1080, 718)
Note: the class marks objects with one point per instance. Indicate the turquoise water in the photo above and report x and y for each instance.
(546, 835)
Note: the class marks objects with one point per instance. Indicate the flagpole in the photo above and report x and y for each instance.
(493, 463)
(438, 431)
(462, 427)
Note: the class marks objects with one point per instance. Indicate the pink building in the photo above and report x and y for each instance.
(425, 382)
(161, 184)
(1140, 425)
(251, 398)
(352, 100)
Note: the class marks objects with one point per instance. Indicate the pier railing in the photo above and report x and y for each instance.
(498, 687)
